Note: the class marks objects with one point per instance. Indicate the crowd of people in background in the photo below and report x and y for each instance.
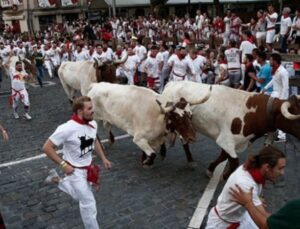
(154, 51)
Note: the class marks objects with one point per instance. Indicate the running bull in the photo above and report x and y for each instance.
(144, 114)
(235, 118)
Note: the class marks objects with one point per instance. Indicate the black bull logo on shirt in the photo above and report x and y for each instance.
(86, 145)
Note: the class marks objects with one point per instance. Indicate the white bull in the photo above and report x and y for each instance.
(77, 76)
(235, 118)
(143, 113)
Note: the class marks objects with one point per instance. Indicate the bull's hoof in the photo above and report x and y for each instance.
(192, 164)
(147, 166)
(209, 173)
(149, 160)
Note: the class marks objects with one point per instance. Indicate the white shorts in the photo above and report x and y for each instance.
(270, 36)
(261, 35)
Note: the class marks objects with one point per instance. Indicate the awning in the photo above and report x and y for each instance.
(129, 3)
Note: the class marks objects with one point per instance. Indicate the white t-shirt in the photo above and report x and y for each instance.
(233, 58)
(271, 24)
(229, 209)
(285, 24)
(152, 66)
(81, 56)
(17, 79)
(296, 22)
(246, 47)
(280, 83)
(198, 64)
(180, 68)
(78, 142)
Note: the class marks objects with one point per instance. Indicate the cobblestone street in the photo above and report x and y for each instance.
(164, 196)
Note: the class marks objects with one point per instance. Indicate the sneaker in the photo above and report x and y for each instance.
(277, 139)
(53, 177)
(16, 115)
(27, 116)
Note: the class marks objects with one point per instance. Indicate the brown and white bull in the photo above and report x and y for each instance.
(78, 76)
(235, 118)
(143, 114)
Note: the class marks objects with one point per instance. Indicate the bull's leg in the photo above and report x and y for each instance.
(222, 157)
(233, 165)
(68, 90)
(144, 145)
(111, 138)
(163, 151)
(187, 151)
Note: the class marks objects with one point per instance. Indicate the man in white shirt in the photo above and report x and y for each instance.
(285, 28)
(296, 26)
(141, 52)
(107, 52)
(227, 21)
(233, 64)
(268, 164)
(271, 18)
(79, 139)
(247, 44)
(180, 66)
(153, 66)
(18, 90)
(80, 54)
(280, 84)
(198, 64)
(130, 66)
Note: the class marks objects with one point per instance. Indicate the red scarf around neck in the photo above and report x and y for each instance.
(75, 118)
(256, 175)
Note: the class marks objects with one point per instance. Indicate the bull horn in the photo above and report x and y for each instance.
(203, 100)
(285, 111)
(98, 62)
(164, 110)
(298, 97)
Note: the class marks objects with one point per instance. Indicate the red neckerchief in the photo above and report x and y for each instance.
(285, 16)
(256, 175)
(153, 56)
(75, 118)
(119, 53)
(250, 39)
(223, 62)
(180, 57)
(91, 52)
(274, 69)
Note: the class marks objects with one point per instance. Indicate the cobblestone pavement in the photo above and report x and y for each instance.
(130, 196)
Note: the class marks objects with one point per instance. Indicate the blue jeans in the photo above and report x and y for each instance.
(40, 74)
(283, 43)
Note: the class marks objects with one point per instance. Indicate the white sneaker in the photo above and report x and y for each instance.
(16, 115)
(27, 116)
(53, 177)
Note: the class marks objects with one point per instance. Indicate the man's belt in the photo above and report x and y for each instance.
(93, 172)
(233, 69)
(271, 28)
(178, 75)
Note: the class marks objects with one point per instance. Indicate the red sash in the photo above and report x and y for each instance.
(93, 173)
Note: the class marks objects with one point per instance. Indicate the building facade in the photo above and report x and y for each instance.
(35, 15)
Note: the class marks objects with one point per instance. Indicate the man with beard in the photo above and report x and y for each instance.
(79, 139)
(268, 164)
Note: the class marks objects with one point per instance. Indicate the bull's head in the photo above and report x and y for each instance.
(105, 71)
(179, 116)
(289, 120)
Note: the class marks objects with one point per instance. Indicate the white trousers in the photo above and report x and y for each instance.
(80, 190)
(48, 66)
(20, 95)
(214, 222)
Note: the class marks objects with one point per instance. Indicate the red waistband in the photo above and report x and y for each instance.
(233, 225)
(271, 28)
